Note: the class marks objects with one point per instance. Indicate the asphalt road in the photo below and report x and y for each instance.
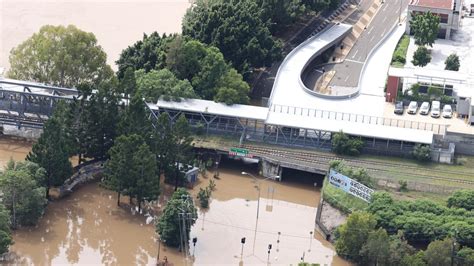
(348, 72)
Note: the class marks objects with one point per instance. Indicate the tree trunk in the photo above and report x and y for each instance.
(118, 198)
(176, 182)
(139, 204)
(79, 159)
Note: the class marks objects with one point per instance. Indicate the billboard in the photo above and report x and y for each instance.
(349, 185)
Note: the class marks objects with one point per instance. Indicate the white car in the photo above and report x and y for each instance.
(425, 108)
(447, 111)
(435, 109)
(412, 107)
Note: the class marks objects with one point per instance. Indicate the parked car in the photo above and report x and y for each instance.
(398, 108)
(447, 111)
(435, 109)
(412, 107)
(425, 108)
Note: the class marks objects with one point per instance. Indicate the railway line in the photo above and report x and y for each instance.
(308, 158)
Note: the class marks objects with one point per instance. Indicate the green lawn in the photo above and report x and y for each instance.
(400, 53)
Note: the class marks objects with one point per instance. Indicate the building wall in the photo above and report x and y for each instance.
(450, 19)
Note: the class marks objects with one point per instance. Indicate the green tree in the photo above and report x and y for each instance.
(119, 168)
(5, 234)
(204, 66)
(353, 235)
(22, 196)
(232, 89)
(147, 54)
(376, 251)
(158, 83)
(62, 56)
(438, 252)
(181, 148)
(128, 84)
(425, 28)
(416, 259)
(146, 185)
(462, 199)
(163, 141)
(168, 226)
(421, 57)
(422, 153)
(237, 29)
(99, 131)
(343, 144)
(50, 153)
(134, 121)
(452, 62)
(465, 256)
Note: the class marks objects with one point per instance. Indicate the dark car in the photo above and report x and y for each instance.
(398, 108)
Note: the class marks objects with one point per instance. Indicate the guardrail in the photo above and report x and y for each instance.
(439, 129)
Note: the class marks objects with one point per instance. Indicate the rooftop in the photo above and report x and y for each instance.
(210, 107)
(442, 4)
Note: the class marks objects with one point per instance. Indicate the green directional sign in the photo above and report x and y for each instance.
(239, 152)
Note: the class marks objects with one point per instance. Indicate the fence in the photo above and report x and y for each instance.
(358, 118)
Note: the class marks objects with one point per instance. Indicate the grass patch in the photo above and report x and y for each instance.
(342, 200)
(400, 53)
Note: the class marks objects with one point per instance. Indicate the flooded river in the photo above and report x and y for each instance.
(116, 23)
(88, 227)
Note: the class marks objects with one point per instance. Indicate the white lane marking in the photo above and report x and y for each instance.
(368, 33)
(353, 56)
(354, 61)
(385, 18)
(383, 33)
(371, 39)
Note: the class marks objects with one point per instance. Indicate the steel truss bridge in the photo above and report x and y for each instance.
(29, 105)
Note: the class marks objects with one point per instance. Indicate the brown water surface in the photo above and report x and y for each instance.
(89, 228)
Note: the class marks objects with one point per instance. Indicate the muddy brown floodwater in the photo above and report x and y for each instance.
(88, 227)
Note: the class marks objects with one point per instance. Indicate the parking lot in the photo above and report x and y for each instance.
(455, 124)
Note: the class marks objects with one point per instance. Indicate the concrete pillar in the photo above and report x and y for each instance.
(270, 169)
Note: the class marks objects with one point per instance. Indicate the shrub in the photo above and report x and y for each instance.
(462, 199)
(421, 57)
(452, 62)
(343, 144)
(403, 185)
(422, 153)
(400, 53)
(203, 196)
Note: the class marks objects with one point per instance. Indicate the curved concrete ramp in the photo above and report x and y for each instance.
(288, 78)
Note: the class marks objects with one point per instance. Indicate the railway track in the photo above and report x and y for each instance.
(309, 159)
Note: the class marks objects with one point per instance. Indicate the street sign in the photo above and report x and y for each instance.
(349, 185)
(240, 152)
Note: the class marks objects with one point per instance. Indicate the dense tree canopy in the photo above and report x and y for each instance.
(62, 56)
(51, 153)
(462, 199)
(132, 170)
(5, 233)
(425, 28)
(169, 222)
(147, 54)
(452, 62)
(162, 83)
(237, 29)
(421, 220)
(22, 194)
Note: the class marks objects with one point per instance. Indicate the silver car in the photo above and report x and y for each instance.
(447, 111)
(436, 109)
(425, 108)
(412, 108)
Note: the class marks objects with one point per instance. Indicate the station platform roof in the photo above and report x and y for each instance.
(352, 128)
(213, 108)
